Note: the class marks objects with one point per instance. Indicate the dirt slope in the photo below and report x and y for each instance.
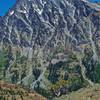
(14, 92)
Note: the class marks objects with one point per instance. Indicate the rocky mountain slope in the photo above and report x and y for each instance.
(51, 45)
(83, 94)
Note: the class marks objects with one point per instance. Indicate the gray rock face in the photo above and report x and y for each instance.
(46, 25)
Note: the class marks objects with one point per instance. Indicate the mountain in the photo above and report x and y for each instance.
(83, 94)
(14, 92)
(51, 46)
